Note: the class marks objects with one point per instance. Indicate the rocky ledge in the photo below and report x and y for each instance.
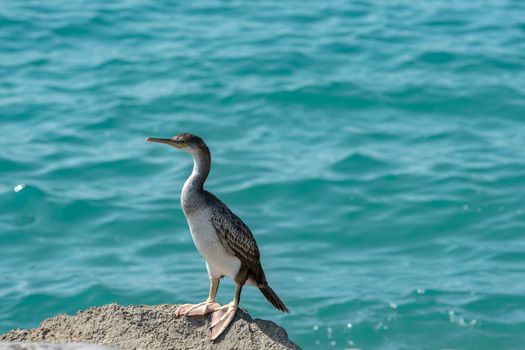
(152, 328)
(44, 346)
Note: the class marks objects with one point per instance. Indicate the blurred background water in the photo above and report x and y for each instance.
(375, 148)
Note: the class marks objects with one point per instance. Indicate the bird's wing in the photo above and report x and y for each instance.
(237, 238)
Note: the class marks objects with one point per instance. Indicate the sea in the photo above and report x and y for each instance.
(376, 149)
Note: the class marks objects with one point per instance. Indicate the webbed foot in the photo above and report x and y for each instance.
(221, 319)
(200, 309)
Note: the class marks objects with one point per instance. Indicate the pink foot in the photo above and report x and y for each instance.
(221, 319)
(200, 309)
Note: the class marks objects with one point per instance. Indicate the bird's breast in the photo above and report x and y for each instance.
(201, 228)
(188, 197)
(220, 262)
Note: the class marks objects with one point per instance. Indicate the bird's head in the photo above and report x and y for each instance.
(185, 141)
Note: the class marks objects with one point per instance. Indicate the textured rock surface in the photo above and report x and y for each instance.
(152, 327)
(36, 346)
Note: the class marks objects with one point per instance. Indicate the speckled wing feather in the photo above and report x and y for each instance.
(237, 238)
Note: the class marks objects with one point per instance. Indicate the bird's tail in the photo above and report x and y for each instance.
(273, 298)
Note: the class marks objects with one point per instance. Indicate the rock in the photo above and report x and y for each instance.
(41, 346)
(152, 328)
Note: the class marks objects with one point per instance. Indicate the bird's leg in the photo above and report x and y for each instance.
(203, 308)
(223, 316)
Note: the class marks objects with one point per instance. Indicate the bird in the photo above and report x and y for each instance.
(221, 237)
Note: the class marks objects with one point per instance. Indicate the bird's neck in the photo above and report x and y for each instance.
(192, 191)
(201, 169)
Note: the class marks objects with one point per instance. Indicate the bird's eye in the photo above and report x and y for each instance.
(182, 141)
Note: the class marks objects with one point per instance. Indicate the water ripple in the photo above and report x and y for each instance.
(373, 148)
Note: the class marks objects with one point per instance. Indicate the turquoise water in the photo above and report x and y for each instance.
(375, 148)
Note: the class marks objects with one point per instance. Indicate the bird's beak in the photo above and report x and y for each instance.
(166, 141)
